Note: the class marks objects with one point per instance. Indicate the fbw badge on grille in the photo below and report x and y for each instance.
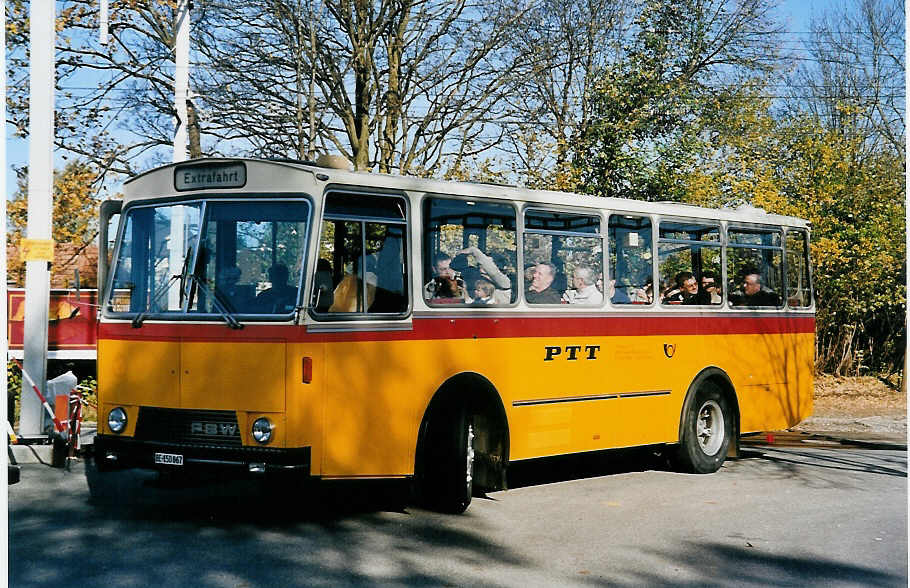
(226, 429)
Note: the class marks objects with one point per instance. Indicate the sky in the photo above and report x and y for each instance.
(794, 15)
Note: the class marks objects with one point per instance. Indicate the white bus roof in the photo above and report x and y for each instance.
(286, 176)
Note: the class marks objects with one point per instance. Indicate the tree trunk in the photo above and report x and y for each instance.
(393, 105)
(193, 131)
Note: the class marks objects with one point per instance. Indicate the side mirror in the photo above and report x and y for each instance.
(109, 209)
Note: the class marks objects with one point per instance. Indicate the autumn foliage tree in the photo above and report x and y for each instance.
(799, 166)
(75, 212)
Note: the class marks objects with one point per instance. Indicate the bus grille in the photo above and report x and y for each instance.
(197, 427)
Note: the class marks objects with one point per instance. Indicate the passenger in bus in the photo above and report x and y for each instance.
(483, 293)
(585, 289)
(672, 290)
(754, 293)
(683, 284)
(618, 295)
(644, 295)
(323, 291)
(441, 269)
(687, 291)
(709, 285)
(540, 290)
(491, 272)
(237, 297)
(281, 297)
(447, 291)
(385, 267)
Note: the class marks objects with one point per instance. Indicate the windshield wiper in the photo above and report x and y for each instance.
(137, 320)
(216, 300)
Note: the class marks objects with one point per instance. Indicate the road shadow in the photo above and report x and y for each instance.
(281, 501)
(548, 470)
(885, 463)
(137, 531)
(695, 563)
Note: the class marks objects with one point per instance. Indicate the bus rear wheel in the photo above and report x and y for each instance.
(447, 481)
(707, 431)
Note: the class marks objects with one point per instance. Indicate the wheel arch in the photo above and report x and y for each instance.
(483, 401)
(720, 377)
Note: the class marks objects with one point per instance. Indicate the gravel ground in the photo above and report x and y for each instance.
(856, 405)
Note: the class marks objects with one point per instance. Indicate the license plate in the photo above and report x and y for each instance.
(169, 459)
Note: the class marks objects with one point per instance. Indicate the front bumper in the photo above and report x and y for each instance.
(112, 452)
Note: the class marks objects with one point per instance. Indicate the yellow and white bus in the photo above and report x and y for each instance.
(268, 316)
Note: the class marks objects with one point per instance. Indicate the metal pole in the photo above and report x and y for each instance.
(181, 77)
(4, 338)
(181, 89)
(40, 207)
(104, 20)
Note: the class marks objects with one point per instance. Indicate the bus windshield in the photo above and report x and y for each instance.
(234, 257)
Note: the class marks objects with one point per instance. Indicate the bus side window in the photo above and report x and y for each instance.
(563, 253)
(362, 261)
(469, 255)
(799, 289)
(754, 267)
(630, 262)
(689, 256)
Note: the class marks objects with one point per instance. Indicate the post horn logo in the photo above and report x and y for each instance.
(669, 349)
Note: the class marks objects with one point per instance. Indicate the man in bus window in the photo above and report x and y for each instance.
(441, 269)
(709, 285)
(584, 289)
(686, 289)
(490, 272)
(755, 294)
(540, 291)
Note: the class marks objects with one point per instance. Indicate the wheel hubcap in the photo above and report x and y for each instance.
(470, 454)
(709, 427)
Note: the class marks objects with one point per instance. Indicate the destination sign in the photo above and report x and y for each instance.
(211, 175)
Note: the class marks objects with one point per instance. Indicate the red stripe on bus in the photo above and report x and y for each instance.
(469, 328)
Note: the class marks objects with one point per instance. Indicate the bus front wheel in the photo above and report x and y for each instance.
(448, 478)
(707, 431)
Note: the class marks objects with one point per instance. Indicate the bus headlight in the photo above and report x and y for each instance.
(116, 420)
(262, 430)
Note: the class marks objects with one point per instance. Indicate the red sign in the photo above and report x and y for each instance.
(71, 326)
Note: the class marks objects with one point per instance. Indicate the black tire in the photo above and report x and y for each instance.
(707, 431)
(446, 480)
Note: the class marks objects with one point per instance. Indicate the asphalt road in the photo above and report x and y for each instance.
(778, 516)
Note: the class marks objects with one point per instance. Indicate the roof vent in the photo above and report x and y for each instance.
(334, 162)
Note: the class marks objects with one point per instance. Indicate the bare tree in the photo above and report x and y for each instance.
(856, 78)
(398, 84)
(567, 44)
(255, 78)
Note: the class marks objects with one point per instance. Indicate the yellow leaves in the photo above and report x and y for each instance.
(74, 205)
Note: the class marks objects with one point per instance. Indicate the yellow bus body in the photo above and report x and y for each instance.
(361, 412)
